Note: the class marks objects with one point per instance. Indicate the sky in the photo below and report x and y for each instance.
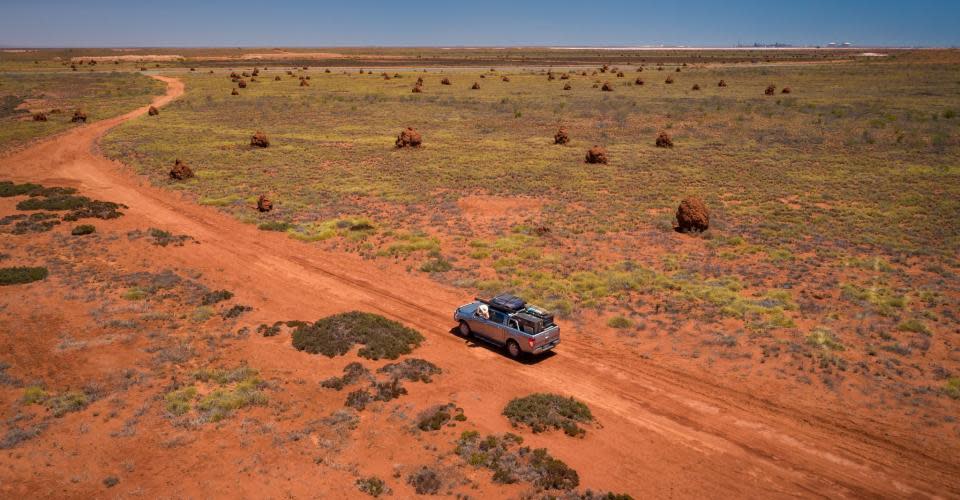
(304, 23)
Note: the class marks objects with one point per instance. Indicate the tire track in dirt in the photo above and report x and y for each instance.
(792, 451)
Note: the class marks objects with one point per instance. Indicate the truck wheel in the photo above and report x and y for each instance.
(513, 349)
(465, 329)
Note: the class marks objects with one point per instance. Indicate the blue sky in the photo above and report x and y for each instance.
(107, 23)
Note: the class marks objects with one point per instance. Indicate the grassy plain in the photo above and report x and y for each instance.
(833, 206)
(58, 94)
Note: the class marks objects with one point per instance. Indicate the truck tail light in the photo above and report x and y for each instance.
(530, 341)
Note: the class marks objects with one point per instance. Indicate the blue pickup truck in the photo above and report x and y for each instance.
(508, 321)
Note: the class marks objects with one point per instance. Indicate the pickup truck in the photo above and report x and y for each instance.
(509, 322)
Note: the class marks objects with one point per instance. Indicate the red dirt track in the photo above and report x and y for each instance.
(665, 432)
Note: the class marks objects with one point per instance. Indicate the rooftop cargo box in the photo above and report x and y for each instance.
(508, 303)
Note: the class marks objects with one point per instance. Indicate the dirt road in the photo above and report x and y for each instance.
(665, 432)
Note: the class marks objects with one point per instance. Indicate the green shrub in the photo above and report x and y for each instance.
(352, 373)
(269, 330)
(619, 322)
(373, 486)
(554, 474)
(83, 229)
(215, 296)
(437, 265)
(412, 369)
(425, 481)
(56, 203)
(8, 189)
(388, 390)
(335, 335)
(21, 275)
(274, 226)
(80, 207)
(913, 325)
(178, 402)
(221, 403)
(358, 400)
(15, 435)
(952, 388)
(36, 223)
(34, 395)
(67, 402)
(135, 293)
(542, 411)
(236, 311)
(435, 417)
(224, 376)
(234, 389)
(163, 238)
(511, 464)
(201, 314)
(825, 339)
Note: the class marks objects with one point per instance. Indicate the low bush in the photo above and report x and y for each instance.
(232, 390)
(21, 275)
(512, 463)
(378, 391)
(824, 339)
(435, 417)
(80, 207)
(135, 293)
(373, 486)
(269, 330)
(67, 402)
(358, 400)
(619, 322)
(352, 373)
(236, 311)
(83, 229)
(225, 376)
(425, 481)
(412, 369)
(163, 238)
(952, 388)
(215, 296)
(274, 226)
(34, 223)
(388, 390)
(16, 435)
(335, 335)
(542, 411)
(913, 325)
(592, 495)
(178, 402)
(8, 189)
(34, 395)
(221, 403)
(436, 265)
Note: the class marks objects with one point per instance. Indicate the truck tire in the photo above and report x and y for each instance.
(465, 329)
(513, 349)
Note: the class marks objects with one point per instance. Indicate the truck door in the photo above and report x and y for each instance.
(496, 327)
